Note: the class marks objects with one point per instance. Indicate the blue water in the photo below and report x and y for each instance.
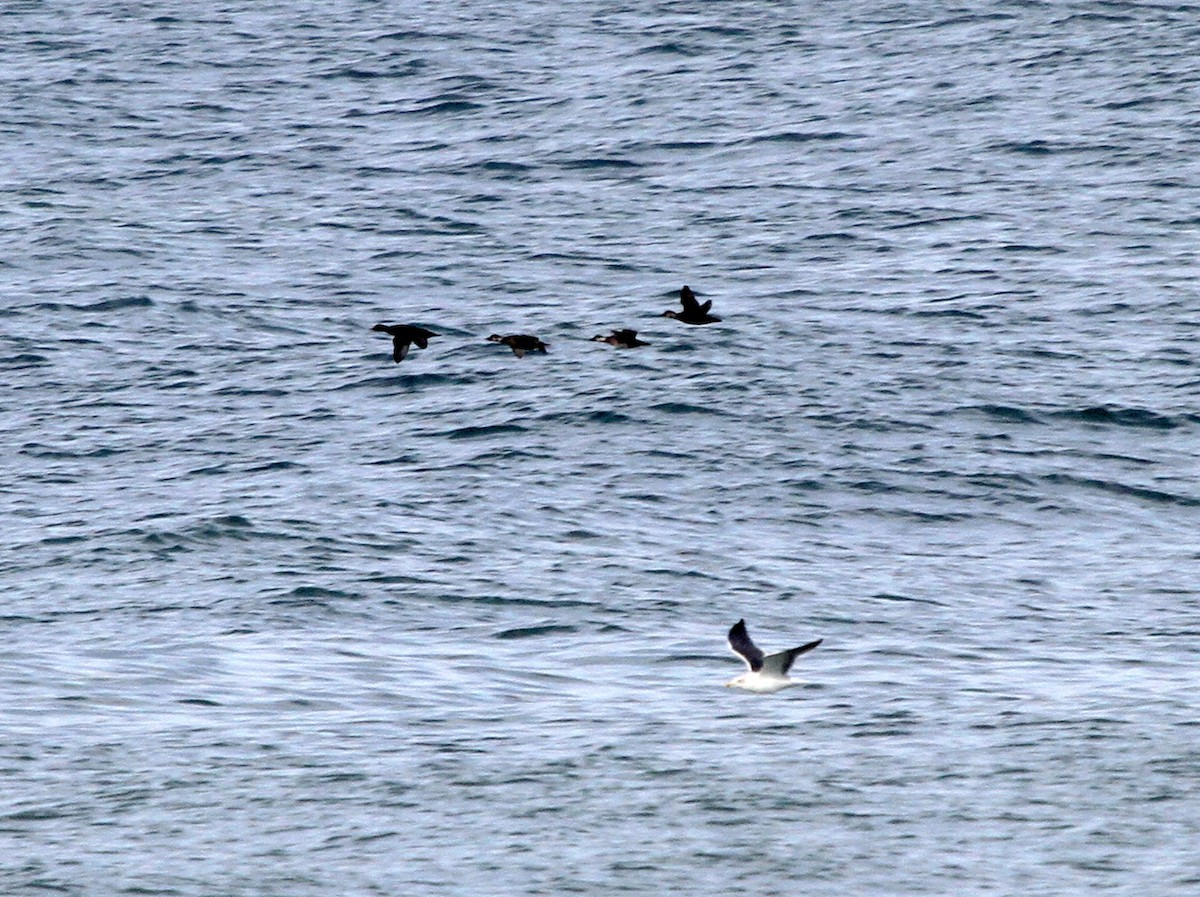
(282, 617)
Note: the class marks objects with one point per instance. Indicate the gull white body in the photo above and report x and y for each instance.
(768, 673)
(760, 683)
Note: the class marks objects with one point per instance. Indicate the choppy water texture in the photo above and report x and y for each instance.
(282, 617)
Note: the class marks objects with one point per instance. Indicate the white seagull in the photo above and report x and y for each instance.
(768, 672)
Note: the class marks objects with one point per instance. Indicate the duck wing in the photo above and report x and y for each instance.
(400, 349)
(703, 309)
(688, 299)
(739, 641)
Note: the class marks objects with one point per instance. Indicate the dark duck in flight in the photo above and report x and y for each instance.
(520, 343)
(403, 336)
(693, 312)
(622, 339)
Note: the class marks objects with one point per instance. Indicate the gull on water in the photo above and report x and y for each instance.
(768, 672)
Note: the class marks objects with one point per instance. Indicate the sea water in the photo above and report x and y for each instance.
(283, 617)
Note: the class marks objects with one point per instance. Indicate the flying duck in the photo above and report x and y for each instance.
(693, 312)
(768, 672)
(520, 343)
(622, 339)
(403, 335)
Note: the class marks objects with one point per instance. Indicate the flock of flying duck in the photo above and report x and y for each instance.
(404, 336)
(767, 672)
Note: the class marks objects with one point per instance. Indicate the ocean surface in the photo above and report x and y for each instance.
(282, 617)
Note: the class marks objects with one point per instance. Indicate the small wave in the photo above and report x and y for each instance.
(481, 432)
(1007, 413)
(684, 144)
(950, 313)
(442, 107)
(608, 417)
(506, 167)
(63, 540)
(37, 450)
(934, 220)
(600, 162)
(200, 108)
(579, 535)
(403, 34)
(1125, 417)
(669, 48)
(1006, 483)
(234, 520)
(685, 408)
(116, 304)
(888, 596)
(269, 392)
(649, 497)
(1133, 104)
(1030, 247)
(801, 136)
(228, 526)
(371, 171)
(1025, 147)
(533, 631)
(207, 532)
(357, 74)
(1115, 488)
(505, 600)
(406, 380)
(398, 459)
(40, 814)
(1094, 16)
(722, 30)
(925, 516)
(209, 470)
(599, 416)
(842, 235)
(277, 465)
(25, 360)
(317, 592)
